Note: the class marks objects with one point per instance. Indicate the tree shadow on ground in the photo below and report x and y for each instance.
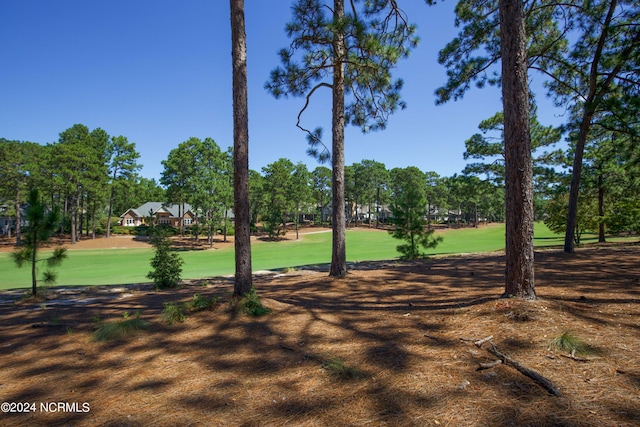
(400, 325)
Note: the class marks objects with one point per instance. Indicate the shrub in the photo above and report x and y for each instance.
(173, 313)
(167, 265)
(250, 304)
(200, 303)
(139, 230)
(119, 229)
(338, 369)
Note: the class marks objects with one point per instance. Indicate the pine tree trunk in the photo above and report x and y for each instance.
(93, 220)
(601, 227)
(518, 166)
(73, 220)
(574, 192)
(18, 219)
(243, 279)
(34, 270)
(111, 205)
(338, 248)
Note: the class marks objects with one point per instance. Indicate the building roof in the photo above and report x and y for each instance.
(151, 208)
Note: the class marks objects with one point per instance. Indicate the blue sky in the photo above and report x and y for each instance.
(159, 72)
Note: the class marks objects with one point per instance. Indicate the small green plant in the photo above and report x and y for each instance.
(166, 264)
(115, 330)
(571, 344)
(97, 320)
(173, 313)
(69, 330)
(251, 305)
(338, 369)
(200, 303)
(43, 222)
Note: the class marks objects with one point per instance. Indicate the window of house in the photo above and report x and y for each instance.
(188, 221)
(130, 221)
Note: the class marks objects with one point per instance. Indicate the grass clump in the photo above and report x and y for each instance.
(338, 369)
(201, 303)
(251, 305)
(571, 344)
(109, 331)
(173, 313)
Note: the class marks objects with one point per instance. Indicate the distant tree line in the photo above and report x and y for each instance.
(87, 174)
(92, 178)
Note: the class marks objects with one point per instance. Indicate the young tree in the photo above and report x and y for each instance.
(408, 206)
(243, 278)
(166, 264)
(352, 53)
(42, 224)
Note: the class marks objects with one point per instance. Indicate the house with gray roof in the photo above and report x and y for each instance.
(158, 213)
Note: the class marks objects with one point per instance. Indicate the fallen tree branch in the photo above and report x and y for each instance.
(539, 379)
(304, 355)
(477, 342)
(489, 365)
(572, 356)
(482, 341)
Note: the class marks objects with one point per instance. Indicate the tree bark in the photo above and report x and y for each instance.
(576, 174)
(338, 247)
(243, 277)
(601, 227)
(108, 230)
(111, 196)
(18, 220)
(597, 88)
(517, 140)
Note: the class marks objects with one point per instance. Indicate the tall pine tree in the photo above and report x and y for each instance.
(352, 52)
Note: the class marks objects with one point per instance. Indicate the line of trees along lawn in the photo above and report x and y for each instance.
(200, 173)
(87, 174)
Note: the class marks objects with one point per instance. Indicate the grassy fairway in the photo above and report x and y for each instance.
(120, 266)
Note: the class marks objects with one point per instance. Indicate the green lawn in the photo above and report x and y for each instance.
(120, 266)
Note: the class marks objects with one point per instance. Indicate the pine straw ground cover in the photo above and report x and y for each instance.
(391, 344)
